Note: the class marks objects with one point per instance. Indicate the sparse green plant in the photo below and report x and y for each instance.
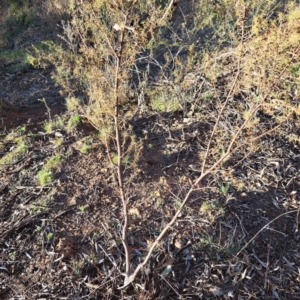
(164, 102)
(114, 158)
(25, 171)
(295, 68)
(59, 141)
(208, 240)
(178, 204)
(21, 129)
(126, 160)
(49, 126)
(31, 135)
(12, 255)
(50, 236)
(105, 133)
(85, 148)
(160, 201)
(224, 187)
(53, 162)
(76, 266)
(69, 153)
(9, 56)
(16, 153)
(45, 176)
(36, 54)
(73, 122)
(82, 208)
(92, 258)
(207, 95)
(73, 103)
(118, 241)
(206, 206)
(58, 122)
(16, 19)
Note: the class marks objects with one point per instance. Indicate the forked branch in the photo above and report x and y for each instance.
(230, 149)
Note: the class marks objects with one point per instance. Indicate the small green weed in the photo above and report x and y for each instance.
(16, 153)
(55, 123)
(209, 206)
(206, 206)
(160, 201)
(73, 103)
(85, 148)
(126, 160)
(82, 208)
(164, 103)
(59, 141)
(295, 69)
(118, 241)
(36, 54)
(74, 121)
(21, 129)
(15, 60)
(114, 158)
(207, 95)
(178, 204)
(53, 162)
(105, 133)
(76, 266)
(48, 126)
(45, 177)
(25, 171)
(50, 236)
(207, 240)
(92, 258)
(224, 187)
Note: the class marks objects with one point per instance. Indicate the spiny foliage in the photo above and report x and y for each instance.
(261, 51)
(268, 62)
(99, 34)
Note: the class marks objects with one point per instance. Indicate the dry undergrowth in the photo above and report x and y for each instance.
(215, 147)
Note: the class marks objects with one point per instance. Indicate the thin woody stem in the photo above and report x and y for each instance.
(219, 117)
(230, 149)
(120, 153)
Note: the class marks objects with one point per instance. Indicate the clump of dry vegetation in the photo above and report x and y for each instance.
(105, 41)
(229, 73)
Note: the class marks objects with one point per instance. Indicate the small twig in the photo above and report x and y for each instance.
(267, 266)
(167, 11)
(297, 221)
(170, 285)
(48, 108)
(22, 187)
(219, 117)
(230, 149)
(264, 227)
(112, 261)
